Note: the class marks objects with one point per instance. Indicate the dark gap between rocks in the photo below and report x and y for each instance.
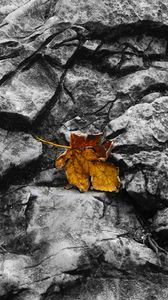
(21, 175)
(111, 34)
(14, 122)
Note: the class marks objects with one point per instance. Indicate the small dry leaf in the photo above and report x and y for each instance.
(85, 161)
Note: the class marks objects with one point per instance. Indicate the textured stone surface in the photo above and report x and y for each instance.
(143, 130)
(28, 93)
(57, 236)
(113, 13)
(148, 119)
(91, 66)
(50, 177)
(108, 99)
(17, 150)
(160, 224)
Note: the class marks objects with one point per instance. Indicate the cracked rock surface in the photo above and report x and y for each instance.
(17, 149)
(93, 66)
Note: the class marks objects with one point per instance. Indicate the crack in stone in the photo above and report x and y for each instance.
(44, 113)
(53, 255)
(69, 93)
(29, 61)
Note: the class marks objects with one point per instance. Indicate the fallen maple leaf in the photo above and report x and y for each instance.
(84, 162)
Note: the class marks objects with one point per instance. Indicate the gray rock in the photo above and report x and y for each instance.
(12, 53)
(61, 111)
(50, 177)
(105, 99)
(132, 62)
(91, 45)
(160, 223)
(28, 93)
(137, 83)
(23, 47)
(90, 89)
(151, 97)
(8, 6)
(144, 44)
(62, 47)
(122, 63)
(112, 13)
(64, 234)
(143, 130)
(17, 150)
(84, 102)
(144, 125)
(131, 89)
(160, 64)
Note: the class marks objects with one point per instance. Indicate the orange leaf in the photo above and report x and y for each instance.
(62, 159)
(87, 161)
(79, 139)
(104, 176)
(77, 171)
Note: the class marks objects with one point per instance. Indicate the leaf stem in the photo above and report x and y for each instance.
(51, 143)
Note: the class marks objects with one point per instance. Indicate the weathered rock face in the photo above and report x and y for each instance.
(160, 221)
(91, 66)
(150, 163)
(55, 237)
(17, 150)
(26, 94)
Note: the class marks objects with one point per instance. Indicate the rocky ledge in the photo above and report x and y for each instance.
(93, 66)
